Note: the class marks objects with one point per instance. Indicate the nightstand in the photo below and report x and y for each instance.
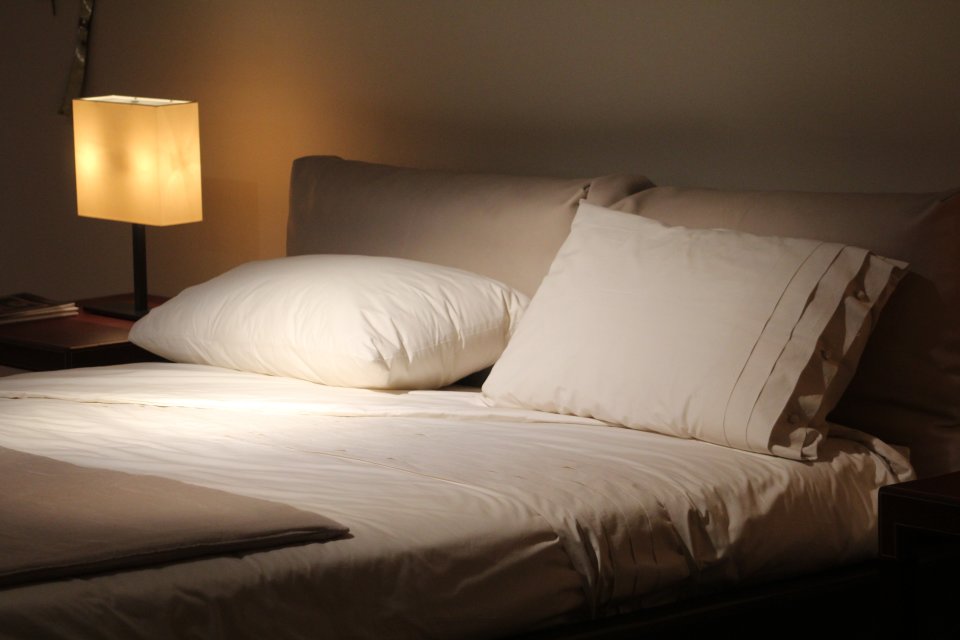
(84, 340)
(920, 548)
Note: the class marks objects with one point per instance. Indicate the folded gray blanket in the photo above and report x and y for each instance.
(60, 520)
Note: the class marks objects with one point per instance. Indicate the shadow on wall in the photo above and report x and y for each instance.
(183, 255)
(693, 152)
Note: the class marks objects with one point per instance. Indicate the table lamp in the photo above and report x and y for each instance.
(137, 161)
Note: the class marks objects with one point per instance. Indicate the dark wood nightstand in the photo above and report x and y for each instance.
(84, 340)
(920, 548)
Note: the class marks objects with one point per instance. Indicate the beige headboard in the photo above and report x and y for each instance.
(505, 227)
(907, 388)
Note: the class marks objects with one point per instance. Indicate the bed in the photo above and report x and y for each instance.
(552, 495)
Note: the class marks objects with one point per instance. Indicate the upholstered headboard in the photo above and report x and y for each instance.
(907, 388)
(505, 227)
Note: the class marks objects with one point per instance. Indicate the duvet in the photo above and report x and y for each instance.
(465, 520)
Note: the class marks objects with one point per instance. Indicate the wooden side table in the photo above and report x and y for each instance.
(84, 340)
(920, 546)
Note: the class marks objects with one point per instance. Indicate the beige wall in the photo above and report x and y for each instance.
(812, 94)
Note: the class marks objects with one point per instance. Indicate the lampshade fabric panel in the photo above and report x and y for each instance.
(138, 162)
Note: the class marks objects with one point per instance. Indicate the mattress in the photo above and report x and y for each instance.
(467, 521)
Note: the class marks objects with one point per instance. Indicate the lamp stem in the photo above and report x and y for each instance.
(139, 269)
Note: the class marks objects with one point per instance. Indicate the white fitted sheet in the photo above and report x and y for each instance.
(467, 521)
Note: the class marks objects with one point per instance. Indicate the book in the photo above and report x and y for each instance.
(21, 307)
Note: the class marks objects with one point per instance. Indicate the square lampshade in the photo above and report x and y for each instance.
(137, 159)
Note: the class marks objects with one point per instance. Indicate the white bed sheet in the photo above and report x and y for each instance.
(467, 521)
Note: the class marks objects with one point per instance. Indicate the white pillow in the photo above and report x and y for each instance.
(350, 321)
(736, 339)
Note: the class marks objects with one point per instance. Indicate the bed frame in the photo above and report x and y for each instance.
(509, 228)
(846, 596)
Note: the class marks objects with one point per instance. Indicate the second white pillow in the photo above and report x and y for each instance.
(727, 337)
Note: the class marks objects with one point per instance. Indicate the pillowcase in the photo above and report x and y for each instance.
(350, 321)
(735, 339)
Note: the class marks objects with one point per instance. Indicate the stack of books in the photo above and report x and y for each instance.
(21, 307)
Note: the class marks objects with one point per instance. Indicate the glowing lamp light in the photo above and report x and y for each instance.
(137, 161)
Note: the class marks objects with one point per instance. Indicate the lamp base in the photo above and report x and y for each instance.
(118, 306)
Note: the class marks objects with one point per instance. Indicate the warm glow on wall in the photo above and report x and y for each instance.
(137, 160)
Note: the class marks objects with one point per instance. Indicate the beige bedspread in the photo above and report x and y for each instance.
(60, 520)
